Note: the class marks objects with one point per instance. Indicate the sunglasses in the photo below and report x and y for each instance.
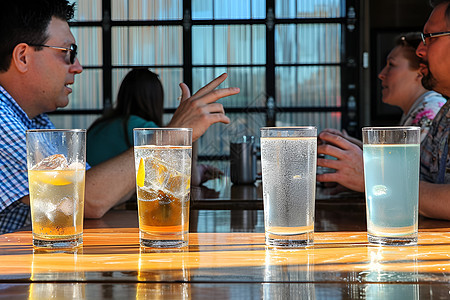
(72, 50)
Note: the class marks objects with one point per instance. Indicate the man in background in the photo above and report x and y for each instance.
(434, 52)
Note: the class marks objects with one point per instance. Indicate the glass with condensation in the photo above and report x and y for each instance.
(288, 160)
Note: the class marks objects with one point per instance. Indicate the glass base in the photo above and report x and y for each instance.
(392, 241)
(74, 242)
(289, 241)
(163, 243)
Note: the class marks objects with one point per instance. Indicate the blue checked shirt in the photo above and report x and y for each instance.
(434, 152)
(13, 154)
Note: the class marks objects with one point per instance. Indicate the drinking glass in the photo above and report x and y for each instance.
(163, 172)
(56, 160)
(288, 160)
(391, 175)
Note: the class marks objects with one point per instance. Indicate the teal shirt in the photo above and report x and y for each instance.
(107, 139)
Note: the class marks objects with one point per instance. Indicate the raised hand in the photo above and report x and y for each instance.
(201, 110)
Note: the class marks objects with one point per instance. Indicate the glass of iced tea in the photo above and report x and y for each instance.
(56, 161)
(163, 172)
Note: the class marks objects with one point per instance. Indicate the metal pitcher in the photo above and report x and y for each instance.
(243, 160)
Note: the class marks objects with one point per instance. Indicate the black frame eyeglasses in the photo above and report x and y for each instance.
(433, 35)
(72, 50)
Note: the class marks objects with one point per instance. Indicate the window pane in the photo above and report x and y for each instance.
(308, 86)
(251, 81)
(216, 140)
(202, 9)
(73, 121)
(87, 90)
(291, 9)
(320, 119)
(258, 9)
(88, 10)
(308, 43)
(147, 9)
(229, 44)
(227, 10)
(89, 41)
(147, 45)
(170, 79)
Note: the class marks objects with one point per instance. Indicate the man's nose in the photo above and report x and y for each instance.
(76, 67)
(421, 50)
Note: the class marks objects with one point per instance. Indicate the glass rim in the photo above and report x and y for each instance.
(390, 128)
(289, 128)
(164, 129)
(55, 130)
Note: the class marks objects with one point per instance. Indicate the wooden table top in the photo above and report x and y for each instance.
(338, 261)
(227, 259)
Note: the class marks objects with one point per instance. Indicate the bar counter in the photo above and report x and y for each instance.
(227, 259)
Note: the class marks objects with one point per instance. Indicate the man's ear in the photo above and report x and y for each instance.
(20, 57)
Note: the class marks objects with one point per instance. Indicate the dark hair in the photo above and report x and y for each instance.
(140, 94)
(435, 3)
(409, 42)
(26, 21)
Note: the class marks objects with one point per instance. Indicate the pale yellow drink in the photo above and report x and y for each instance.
(56, 162)
(57, 204)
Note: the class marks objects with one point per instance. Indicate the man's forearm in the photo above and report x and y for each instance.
(109, 183)
(434, 200)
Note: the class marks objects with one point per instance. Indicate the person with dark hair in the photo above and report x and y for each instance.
(139, 104)
(38, 63)
(434, 54)
(401, 81)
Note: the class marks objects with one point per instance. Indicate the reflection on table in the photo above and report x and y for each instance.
(226, 265)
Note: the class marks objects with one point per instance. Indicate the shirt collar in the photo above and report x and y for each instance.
(8, 100)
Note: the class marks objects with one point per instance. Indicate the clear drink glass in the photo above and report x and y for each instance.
(288, 160)
(163, 159)
(391, 175)
(56, 160)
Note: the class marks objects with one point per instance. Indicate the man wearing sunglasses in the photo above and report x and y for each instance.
(434, 52)
(38, 65)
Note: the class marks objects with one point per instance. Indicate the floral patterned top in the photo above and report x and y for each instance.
(434, 150)
(423, 112)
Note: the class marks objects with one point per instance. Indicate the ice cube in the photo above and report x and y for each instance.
(163, 176)
(52, 162)
(76, 166)
(66, 206)
(380, 190)
(165, 198)
(178, 184)
(48, 209)
(156, 170)
(146, 194)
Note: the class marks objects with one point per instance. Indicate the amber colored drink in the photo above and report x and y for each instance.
(163, 188)
(161, 213)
